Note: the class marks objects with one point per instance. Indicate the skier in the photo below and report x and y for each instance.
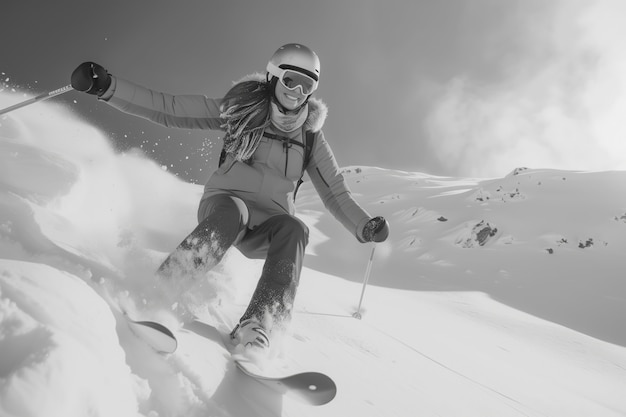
(248, 202)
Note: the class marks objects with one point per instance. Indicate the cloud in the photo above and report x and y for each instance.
(560, 104)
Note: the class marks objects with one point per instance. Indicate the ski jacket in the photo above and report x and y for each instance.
(268, 182)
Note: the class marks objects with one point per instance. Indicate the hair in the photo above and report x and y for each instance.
(246, 113)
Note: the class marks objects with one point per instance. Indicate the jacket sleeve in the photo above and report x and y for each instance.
(181, 111)
(333, 190)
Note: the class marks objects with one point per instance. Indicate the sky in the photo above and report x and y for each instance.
(446, 87)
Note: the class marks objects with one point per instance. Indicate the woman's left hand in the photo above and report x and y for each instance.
(376, 230)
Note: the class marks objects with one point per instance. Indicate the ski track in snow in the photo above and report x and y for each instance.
(492, 297)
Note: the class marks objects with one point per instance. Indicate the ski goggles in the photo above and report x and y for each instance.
(292, 79)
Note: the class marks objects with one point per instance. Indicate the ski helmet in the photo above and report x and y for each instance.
(296, 57)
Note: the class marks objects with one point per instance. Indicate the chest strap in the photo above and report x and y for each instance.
(308, 137)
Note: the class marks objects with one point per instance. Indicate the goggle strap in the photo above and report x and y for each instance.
(300, 70)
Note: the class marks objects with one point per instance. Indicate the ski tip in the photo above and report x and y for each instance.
(312, 388)
(156, 335)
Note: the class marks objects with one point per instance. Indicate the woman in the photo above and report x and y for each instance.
(248, 201)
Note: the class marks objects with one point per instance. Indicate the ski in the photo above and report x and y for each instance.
(156, 335)
(312, 388)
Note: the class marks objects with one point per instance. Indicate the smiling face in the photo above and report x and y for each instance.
(289, 99)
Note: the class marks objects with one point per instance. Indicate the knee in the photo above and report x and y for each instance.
(224, 206)
(223, 218)
(294, 228)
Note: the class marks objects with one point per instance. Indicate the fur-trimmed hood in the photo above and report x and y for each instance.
(318, 110)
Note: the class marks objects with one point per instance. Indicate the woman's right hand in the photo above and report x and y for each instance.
(91, 78)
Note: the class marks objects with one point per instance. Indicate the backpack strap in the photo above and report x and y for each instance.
(307, 135)
(309, 138)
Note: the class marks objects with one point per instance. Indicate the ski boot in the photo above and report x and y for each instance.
(250, 334)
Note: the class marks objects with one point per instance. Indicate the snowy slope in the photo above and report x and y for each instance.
(493, 297)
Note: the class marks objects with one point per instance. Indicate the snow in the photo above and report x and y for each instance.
(492, 297)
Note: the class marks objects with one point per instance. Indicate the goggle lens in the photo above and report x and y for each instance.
(293, 79)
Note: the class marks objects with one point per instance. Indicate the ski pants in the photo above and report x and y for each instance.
(281, 240)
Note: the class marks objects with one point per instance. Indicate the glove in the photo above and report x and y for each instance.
(376, 230)
(91, 78)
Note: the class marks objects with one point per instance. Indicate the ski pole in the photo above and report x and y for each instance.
(357, 315)
(40, 97)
